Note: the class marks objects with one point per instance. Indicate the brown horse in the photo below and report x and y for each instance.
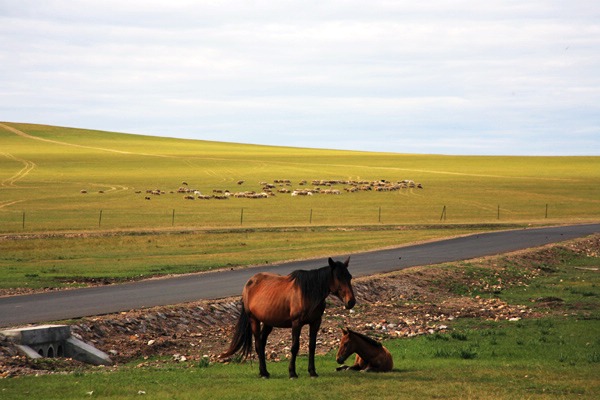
(371, 355)
(291, 301)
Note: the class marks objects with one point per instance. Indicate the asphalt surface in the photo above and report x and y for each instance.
(67, 304)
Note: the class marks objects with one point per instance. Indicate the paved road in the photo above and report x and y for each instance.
(36, 308)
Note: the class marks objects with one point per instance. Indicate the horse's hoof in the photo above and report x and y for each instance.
(315, 376)
(266, 375)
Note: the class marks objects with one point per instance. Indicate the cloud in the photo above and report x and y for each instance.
(460, 77)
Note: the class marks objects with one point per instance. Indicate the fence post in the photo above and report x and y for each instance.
(173, 218)
(310, 218)
(100, 219)
(443, 217)
(498, 211)
(23, 219)
(242, 217)
(546, 216)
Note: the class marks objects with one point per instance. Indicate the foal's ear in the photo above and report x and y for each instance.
(344, 331)
(347, 262)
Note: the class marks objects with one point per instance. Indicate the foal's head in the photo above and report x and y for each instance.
(346, 347)
(341, 284)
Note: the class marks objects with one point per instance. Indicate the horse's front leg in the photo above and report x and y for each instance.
(296, 329)
(312, 346)
(359, 364)
(259, 346)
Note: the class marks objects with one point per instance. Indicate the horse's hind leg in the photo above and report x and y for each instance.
(259, 347)
(264, 335)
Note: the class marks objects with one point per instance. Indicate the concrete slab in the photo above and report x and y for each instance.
(83, 352)
(39, 334)
(28, 351)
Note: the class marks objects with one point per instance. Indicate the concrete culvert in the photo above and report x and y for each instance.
(54, 341)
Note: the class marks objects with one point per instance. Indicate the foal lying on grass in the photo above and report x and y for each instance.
(371, 355)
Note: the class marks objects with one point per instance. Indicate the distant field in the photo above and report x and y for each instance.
(44, 169)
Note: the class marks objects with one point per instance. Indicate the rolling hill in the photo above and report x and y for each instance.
(55, 179)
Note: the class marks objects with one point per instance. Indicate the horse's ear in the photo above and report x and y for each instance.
(347, 262)
(331, 262)
(344, 331)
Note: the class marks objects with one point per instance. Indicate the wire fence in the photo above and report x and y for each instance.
(234, 217)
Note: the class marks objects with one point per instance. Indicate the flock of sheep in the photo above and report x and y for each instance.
(283, 186)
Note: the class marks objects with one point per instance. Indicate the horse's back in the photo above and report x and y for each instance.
(268, 297)
(263, 281)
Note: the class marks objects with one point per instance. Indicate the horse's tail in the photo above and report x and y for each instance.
(242, 337)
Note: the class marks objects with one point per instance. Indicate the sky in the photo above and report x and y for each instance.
(457, 77)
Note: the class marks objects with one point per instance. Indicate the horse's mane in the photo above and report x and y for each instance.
(314, 284)
(367, 339)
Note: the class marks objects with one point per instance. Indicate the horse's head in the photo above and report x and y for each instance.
(346, 347)
(341, 284)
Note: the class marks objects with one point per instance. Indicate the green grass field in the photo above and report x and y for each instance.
(43, 169)
(54, 262)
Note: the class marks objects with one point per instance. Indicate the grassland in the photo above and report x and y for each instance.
(554, 357)
(59, 261)
(53, 235)
(43, 170)
(111, 232)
